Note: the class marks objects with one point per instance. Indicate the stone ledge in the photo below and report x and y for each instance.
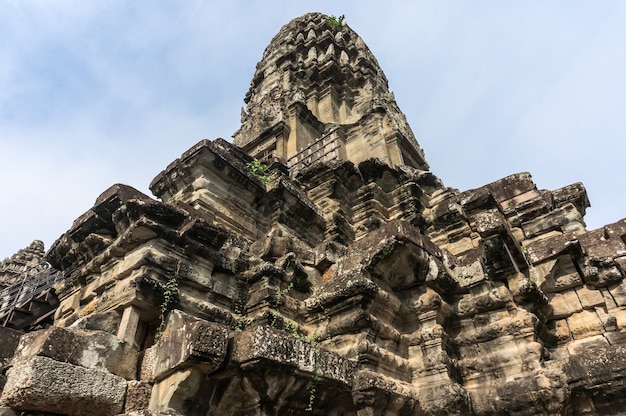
(43, 384)
(281, 348)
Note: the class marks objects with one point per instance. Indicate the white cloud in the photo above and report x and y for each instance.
(97, 93)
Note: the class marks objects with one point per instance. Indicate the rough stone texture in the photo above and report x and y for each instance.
(27, 300)
(189, 341)
(93, 349)
(345, 279)
(106, 321)
(319, 94)
(9, 340)
(137, 396)
(43, 384)
(152, 413)
(30, 259)
(177, 391)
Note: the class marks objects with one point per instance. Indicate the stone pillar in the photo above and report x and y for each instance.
(129, 326)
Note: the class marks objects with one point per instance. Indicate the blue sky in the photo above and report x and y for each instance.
(97, 93)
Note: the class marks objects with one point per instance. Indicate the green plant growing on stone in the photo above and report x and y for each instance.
(258, 169)
(170, 297)
(293, 330)
(312, 395)
(525, 252)
(316, 376)
(241, 319)
(240, 310)
(283, 292)
(335, 22)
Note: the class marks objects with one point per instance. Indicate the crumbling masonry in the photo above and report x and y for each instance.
(342, 279)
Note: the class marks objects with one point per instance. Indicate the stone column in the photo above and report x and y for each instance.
(129, 326)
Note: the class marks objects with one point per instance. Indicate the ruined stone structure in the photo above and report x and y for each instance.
(344, 279)
(26, 301)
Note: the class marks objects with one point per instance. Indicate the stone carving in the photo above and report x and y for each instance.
(29, 261)
(319, 94)
(346, 285)
(27, 300)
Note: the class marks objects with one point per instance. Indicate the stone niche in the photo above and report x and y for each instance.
(342, 279)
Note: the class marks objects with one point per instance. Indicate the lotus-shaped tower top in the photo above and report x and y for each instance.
(318, 94)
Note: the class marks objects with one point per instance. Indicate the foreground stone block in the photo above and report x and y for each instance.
(188, 341)
(169, 412)
(176, 391)
(43, 384)
(9, 340)
(267, 343)
(589, 371)
(106, 321)
(137, 395)
(93, 349)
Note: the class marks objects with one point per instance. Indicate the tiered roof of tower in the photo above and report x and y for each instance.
(26, 262)
(318, 94)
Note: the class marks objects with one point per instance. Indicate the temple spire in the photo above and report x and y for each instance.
(318, 94)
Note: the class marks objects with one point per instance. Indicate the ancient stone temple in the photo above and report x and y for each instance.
(316, 266)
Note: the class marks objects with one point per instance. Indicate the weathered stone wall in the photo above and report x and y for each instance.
(336, 288)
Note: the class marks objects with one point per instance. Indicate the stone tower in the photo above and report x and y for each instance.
(341, 279)
(319, 94)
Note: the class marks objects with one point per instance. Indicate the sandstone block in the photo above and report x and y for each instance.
(563, 275)
(550, 247)
(562, 282)
(264, 342)
(105, 321)
(574, 193)
(599, 272)
(137, 395)
(93, 349)
(608, 320)
(552, 220)
(43, 384)
(584, 324)
(590, 297)
(589, 368)
(489, 222)
(564, 304)
(188, 340)
(523, 289)
(543, 389)
(620, 317)
(67, 306)
(517, 188)
(495, 298)
(471, 274)
(618, 292)
(9, 340)
(174, 391)
(582, 346)
(147, 364)
(621, 263)
(460, 246)
(147, 412)
(443, 394)
(561, 331)
(596, 244)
